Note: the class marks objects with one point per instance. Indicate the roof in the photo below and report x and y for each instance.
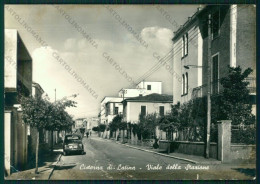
(116, 100)
(188, 22)
(151, 98)
(111, 97)
(38, 86)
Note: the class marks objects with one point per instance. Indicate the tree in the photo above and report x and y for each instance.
(147, 124)
(116, 123)
(36, 113)
(40, 113)
(233, 102)
(96, 129)
(171, 121)
(102, 127)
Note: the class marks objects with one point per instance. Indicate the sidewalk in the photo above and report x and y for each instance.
(189, 158)
(45, 170)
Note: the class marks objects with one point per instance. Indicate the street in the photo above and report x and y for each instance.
(107, 160)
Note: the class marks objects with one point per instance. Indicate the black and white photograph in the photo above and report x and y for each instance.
(130, 92)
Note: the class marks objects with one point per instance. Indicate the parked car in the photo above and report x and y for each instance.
(73, 144)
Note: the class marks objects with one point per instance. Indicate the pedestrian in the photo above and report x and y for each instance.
(87, 134)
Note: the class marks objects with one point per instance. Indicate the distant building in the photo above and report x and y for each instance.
(143, 105)
(142, 89)
(37, 90)
(110, 107)
(92, 122)
(79, 123)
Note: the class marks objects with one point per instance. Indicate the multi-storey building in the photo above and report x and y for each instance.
(142, 89)
(17, 83)
(110, 107)
(233, 42)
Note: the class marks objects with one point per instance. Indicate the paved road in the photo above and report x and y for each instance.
(106, 160)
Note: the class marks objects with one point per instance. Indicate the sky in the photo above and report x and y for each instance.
(61, 39)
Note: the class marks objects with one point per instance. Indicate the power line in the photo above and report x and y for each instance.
(152, 70)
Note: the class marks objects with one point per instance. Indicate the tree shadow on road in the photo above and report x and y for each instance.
(67, 166)
(247, 171)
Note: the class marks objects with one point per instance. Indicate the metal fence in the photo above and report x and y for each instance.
(243, 134)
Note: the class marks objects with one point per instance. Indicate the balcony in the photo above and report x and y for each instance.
(201, 91)
(252, 85)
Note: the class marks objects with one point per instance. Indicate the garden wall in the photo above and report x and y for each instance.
(190, 148)
(243, 153)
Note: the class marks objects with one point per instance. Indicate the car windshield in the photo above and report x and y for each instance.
(72, 139)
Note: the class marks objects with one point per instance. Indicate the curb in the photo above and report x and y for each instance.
(54, 164)
(179, 158)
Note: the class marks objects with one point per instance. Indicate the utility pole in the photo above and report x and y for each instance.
(55, 94)
(208, 89)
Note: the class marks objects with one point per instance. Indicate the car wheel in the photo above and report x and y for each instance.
(82, 152)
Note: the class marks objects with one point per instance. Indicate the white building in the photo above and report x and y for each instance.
(110, 107)
(142, 89)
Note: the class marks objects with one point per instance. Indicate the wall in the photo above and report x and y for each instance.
(7, 140)
(131, 92)
(243, 153)
(10, 58)
(193, 58)
(134, 109)
(190, 148)
(246, 37)
(156, 87)
(219, 45)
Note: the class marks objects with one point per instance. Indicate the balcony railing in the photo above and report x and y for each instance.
(202, 90)
(252, 84)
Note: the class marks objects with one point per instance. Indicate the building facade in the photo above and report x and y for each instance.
(142, 89)
(143, 105)
(110, 107)
(233, 42)
(17, 83)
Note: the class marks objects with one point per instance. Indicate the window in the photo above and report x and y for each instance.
(149, 87)
(215, 24)
(215, 74)
(116, 110)
(185, 45)
(143, 110)
(161, 110)
(183, 42)
(182, 85)
(186, 83)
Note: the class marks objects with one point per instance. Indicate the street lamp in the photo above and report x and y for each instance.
(207, 140)
(192, 66)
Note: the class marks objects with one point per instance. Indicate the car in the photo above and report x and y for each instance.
(73, 144)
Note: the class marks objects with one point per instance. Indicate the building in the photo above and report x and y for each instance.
(233, 42)
(142, 89)
(79, 123)
(143, 105)
(110, 107)
(92, 122)
(17, 83)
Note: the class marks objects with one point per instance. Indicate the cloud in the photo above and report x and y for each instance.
(70, 44)
(90, 64)
(159, 39)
